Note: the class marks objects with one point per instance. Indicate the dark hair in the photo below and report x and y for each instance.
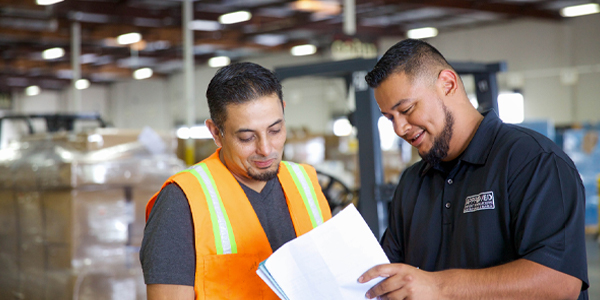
(411, 57)
(239, 83)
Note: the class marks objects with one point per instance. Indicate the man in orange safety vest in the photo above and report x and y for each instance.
(210, 225)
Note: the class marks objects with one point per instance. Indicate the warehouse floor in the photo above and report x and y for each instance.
(593, 257)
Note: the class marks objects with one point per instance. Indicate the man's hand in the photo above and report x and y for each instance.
(519, 279)
(403, 282)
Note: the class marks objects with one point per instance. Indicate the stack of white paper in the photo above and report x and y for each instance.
(326, 262)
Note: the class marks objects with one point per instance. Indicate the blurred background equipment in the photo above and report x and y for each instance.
(338, 195)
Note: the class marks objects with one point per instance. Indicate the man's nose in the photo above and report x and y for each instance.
(401, 127)
(264, 147)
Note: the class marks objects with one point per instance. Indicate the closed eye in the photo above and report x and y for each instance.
(407, 110)
(246, 140)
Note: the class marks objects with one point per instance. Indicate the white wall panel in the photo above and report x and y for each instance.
(139, 103)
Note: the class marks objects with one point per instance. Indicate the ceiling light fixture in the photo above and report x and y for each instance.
(422, 33)
(82, 84)
(580, 10)
(32, 90)
(302, 50)
(318, 6)
(235, 17)
(270, 39)
(53, 53)
(129, 38)
(142, 73)
(219, 61)
(47, 2)
(205, 25)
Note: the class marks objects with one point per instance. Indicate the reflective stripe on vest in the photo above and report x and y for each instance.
(307, 192)
(224, 238)
(222, 230)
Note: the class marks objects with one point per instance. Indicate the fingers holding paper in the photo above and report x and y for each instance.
(402, 282)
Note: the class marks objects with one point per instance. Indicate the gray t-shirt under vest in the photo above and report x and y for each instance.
(167, 252)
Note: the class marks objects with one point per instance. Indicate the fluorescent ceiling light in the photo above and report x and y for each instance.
(580, 10)
(235, 17)
(303, 50)
(422, 33)
(342, 127)
(47, 2)
(142, 73)
(204, 25)
(32, 90)
(510, 107)
(219, 61)
(129, 38)
(317, 6)
(53, 53)
(270, 39)
(82, 84)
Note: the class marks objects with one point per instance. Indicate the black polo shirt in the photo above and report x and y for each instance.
(512, 194)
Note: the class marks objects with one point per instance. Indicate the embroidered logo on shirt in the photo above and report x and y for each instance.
(480, 201)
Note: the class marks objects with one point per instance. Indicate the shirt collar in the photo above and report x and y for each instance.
(479, 148)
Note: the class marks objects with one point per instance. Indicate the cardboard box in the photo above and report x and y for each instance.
(60, 285)
(29, 209)
(68, 216)
(8, 212)
(32, 256)
(101, 138)
(9, 255)
(32, 284)
(58, 212)
(6, 176)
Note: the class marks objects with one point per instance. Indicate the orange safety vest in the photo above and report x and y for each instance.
(230, 241)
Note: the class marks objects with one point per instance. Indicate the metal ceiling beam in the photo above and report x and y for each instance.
(523, 10)
(18, 45)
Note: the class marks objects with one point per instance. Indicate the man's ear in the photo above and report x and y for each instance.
(215, 131)
(448, 82)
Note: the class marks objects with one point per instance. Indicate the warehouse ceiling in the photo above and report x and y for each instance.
(27, 29)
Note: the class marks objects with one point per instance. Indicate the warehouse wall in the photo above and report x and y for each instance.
(537, 52)
(160, 103)
(93, 99)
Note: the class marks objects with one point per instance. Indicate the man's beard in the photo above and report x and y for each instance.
(441, 144)
(265, 176)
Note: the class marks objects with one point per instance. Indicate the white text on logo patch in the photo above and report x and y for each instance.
(480, 201)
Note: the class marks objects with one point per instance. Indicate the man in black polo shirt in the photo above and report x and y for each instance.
(492, 211)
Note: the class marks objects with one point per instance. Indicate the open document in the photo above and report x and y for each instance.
(326, 262)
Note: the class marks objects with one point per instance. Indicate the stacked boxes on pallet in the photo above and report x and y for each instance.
(72, 219)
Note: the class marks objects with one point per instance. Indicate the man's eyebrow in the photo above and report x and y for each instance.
(276, 122)
(241, 130)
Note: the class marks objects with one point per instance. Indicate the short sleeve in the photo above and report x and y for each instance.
(392, 239)
(547, 203)
(167, 253)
